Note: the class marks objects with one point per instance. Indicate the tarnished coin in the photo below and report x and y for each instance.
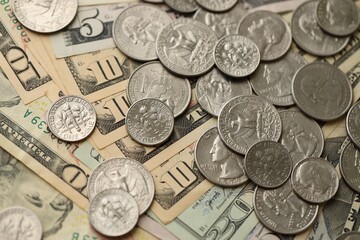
(301, 136)
(224, 23)
(71, 118)
(125, 174)
(217, 5)
(113, 212)
(45, 16)
(183, 6)
(353, 123)
(149, 121)
(136, 28)
(282, 211)
(185, 47)
(19, 223)
(245, 120)
(338, 17)
(268, 164)
(236, 55)
(152, 80)
(308, 34)
(272, 80)
(218, 163)
(214, 89)
(350, 166)
(269, 31)
(322, 91)
(349, 236)
(315, 180)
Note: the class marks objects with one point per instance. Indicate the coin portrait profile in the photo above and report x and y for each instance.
(44, 11)
(309, 26)
(280, 76)
(140, 30)
(339, 15)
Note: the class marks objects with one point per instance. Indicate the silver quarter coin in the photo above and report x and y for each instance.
(350, 166)
(268, 164)
(353, 124)
(154, 1)
(19, 223)
(183, 6)
(136, 28)
(236, 55)
(349, 236)
(217, 5)
(272, 80)
(214, 89)
(308, 34)
(269, 31)
(113, 212)
(127, 175)
(218, 163)
(301, 136)
(282, 211)
(149, 121)
(245, 120)
(315, 180)
(338, 17)
(71, 118)
(45, 16)
(185, 47)
(322, 91)
(152, 80)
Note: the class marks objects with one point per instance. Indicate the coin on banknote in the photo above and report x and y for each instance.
(350, 166)
(322, 91)
(152, 80)
(214, 89)
(272, 80)
(185, 47)
(282, 211)
(217, 5)
(113, 212)
(149, 121)
(309, 36)
(126, 174)
(269, 31)
(19, 223)
(183, 6)
(136, 28)
(236, 56)
(45, 16)
(349, 236)
(218, 163)
(245, 120)
(315, 180)
(301, 135)
(71, 118)
(338, 17)
(353, 123)
(268, 164)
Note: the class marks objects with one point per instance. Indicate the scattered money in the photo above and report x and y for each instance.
(217, 5)
(350, 166)
(353, 125)
(183, 6)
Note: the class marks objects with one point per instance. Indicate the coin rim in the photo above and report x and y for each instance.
(344, 176)
(353, 140)
(204, 6)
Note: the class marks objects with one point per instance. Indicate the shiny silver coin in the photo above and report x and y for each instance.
(268, 164)
(154, 1)
(127, 175)
(149, 121)
(236, 56)
(315, 180)
(282, 211)
(214, 89)
(217, 5)
(338, 17)
(224, 23)
(353, 123)
(71, 118)
(152, 80)
(301, 136)
(349, 236)
(245, 120)
(45, 16)
(113, 212)
(218, 163)
(136, 28)
(269, 31)
(350, 166)
(322, 91)
(185, 47)
(308, 34)
(183, 6)
(272, 80)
